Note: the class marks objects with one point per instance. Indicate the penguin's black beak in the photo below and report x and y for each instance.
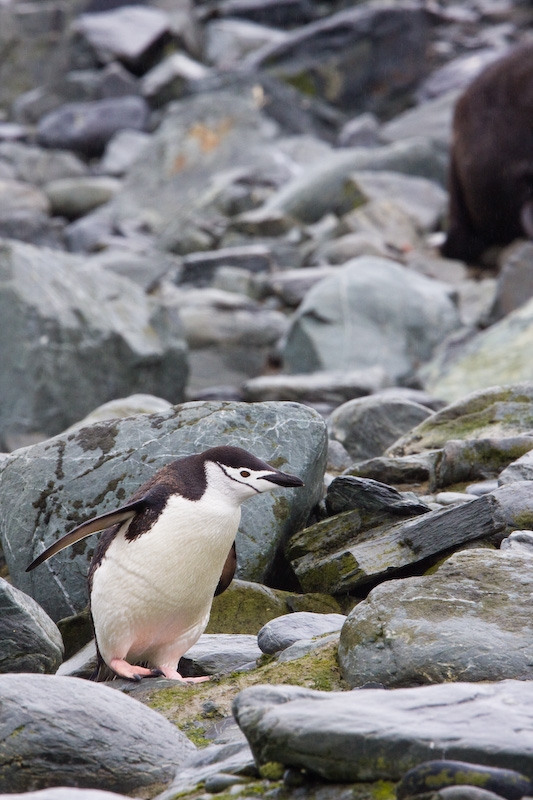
(283, 479)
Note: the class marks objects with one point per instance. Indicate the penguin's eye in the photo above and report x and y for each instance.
(245, 473)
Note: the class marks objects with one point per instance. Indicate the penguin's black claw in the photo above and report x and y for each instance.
(157, 673)
(136, 678)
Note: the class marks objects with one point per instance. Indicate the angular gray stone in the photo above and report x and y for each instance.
(417, 468)
(31, 642)
(227, 41)
(303, 647)
(468, 621)
(19, 196)
(369, 735)
(341, 553)
(171, 79)
(74, 336)
(37, 166)
(88, 127)
(515, 280)
(81, 474)
(282, 632)
(519, 470)
(366, 426)
(341, 322)
(126, 34)
(219, 653)
(200, 268)
(122, 150)
(424, 201)
(59, 731)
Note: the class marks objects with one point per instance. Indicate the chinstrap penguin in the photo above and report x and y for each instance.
(165, 555)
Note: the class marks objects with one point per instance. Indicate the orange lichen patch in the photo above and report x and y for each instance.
(209, 138)
(179, 163)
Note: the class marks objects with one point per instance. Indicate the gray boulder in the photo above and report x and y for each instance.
(219, 653)
(173, 187)
(87, 127)
(82, 335)
(60, 731)
(373, 312)
(469, 621)
(375, 734)
(31, 642)
(366, 426)
(80, 474)
(282, 632)
(497, 412)
(495, 356)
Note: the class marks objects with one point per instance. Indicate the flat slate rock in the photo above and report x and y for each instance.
(338, 554)
(78, 475)
(219, 653)
(469, 620)
(60, 731)
(379, 734)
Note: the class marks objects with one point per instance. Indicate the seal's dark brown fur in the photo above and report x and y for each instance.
(491, 170)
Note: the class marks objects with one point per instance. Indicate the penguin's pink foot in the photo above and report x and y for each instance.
(131, 673)
(174, 675)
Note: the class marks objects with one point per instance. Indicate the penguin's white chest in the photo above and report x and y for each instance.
(151, 597)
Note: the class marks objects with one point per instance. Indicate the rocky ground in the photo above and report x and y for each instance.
(220, 225)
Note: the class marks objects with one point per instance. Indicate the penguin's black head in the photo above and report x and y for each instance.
(244, 473)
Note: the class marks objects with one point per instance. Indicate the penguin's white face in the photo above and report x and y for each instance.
(252, 477)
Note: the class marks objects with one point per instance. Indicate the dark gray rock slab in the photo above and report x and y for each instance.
(282, 632)
(350, 308)
(354, 58)
(376, 734)
(515, 501)
(367, 426)
(31, 642)
(172, 78)
(78, 475)
(59, 731)
(219, 653)
(88, 127)
(470, 620)
(348, 492)
(339, 554)
(84, 336)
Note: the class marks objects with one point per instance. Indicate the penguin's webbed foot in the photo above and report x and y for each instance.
(122, 669)
(174, 675)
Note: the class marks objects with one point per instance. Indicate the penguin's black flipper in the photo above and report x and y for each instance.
(91, 526)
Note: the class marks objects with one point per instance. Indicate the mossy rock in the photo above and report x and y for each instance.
(500, 411)
(246, 606)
